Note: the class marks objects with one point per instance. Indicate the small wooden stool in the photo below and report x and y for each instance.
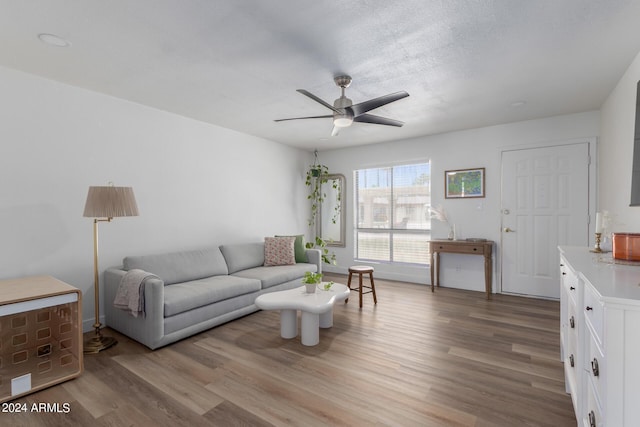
(360, 270)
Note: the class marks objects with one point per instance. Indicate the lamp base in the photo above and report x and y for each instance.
(99, 343)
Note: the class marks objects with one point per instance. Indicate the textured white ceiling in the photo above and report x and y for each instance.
(238, 63)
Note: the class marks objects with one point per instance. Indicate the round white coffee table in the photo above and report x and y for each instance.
(316, 308)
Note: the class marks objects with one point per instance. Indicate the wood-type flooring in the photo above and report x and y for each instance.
(449, 358)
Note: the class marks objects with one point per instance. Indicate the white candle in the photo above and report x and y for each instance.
(598, 222)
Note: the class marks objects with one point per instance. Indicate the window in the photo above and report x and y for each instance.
(392, 213)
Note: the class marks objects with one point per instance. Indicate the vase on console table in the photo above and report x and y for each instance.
(452, 232)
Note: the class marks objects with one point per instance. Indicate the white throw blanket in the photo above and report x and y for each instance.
(130, 295)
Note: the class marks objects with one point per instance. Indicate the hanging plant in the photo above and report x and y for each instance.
(317, 176)
(335, 183)
(328, 257)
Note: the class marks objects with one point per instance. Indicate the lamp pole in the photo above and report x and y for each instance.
(98, 342)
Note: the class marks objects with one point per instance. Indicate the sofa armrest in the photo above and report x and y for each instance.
(314, 256)
(147, 329)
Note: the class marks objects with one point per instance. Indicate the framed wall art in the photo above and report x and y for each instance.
(464, 183)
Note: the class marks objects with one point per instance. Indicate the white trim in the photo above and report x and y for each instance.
(592, 144)
(35, 304)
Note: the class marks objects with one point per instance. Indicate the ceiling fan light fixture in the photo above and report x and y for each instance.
(342, 122)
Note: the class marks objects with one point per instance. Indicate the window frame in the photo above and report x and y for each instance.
(391, 231)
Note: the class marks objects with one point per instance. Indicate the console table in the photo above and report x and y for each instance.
(465, 247)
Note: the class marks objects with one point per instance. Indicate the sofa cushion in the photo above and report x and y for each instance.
(242, 256)
(179, 267)
(299, 248)
(279, 251)
(181, 297)
(271, 276)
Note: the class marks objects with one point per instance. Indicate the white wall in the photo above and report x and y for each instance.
(199, 184)
(616, 151)
(456, 150)
(196, 184)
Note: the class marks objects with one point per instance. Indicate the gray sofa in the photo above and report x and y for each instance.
(197, 290)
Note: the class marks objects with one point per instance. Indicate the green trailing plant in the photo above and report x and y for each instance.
(328, 257)
(318, 175)
(335, 183)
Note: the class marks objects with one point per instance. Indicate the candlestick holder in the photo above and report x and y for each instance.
(597, 248)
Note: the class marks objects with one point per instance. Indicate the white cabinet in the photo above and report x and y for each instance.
(570, 324)
(601, 299)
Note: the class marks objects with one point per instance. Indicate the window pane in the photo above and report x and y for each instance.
(412, 248)
(411, 197)
(374, 198)
(373, 246)
(395, 199)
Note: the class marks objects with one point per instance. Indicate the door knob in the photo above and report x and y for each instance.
(508, 230)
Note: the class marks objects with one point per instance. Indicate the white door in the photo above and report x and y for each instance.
(545, 203)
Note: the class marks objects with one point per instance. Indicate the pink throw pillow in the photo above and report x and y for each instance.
(279, 251)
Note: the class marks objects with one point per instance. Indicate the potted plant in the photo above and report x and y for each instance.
(317, 175)
(311, 280)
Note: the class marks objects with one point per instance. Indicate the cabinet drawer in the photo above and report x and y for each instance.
(569, 280)
(571, 362)
(572, 318)
(461, 249)
(592, 414)
(595, 366)
(593, 311)
(571, 385)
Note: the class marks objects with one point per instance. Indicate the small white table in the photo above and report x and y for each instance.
(316, 308)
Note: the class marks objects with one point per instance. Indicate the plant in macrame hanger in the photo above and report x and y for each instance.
(318, 175)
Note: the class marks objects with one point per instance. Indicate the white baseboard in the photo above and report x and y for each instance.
(420, 278)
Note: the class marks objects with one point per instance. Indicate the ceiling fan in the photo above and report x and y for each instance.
(345, 113)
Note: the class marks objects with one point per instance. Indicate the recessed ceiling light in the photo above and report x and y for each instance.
(518, 104)
(53, 40)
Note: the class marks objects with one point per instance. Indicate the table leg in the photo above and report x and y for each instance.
(437, 265)
(360, 288)
(326, 319)
(288, 323)
(432, 268)
(488, 266)
(310, 328)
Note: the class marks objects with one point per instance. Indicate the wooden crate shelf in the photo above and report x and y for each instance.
(40, 334)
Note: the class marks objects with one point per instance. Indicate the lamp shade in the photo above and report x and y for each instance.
(110, 202)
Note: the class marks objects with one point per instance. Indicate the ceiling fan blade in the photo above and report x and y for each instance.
(363, 107)
(318, 100)
(300, 118)
(377, 120)
(335, 131)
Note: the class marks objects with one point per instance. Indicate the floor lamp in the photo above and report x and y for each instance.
(103, 204)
